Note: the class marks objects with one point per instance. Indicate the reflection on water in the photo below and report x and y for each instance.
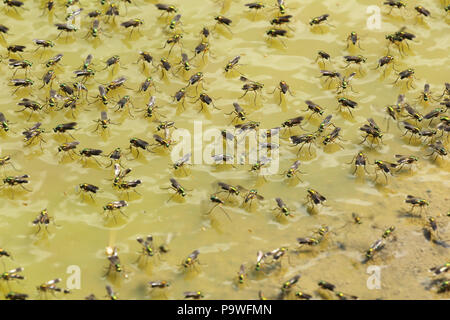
(232, 233)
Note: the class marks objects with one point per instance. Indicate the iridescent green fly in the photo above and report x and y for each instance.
(14, 4)
(177, 187)
(283, 87)
(147, 246)
(405, 160)
(112, 11)
(114, 263)
(224, 22)
(65, 27)
(151, 108)
(191, 260)
(115, 205)
(166, 8)
(133, 23)
(161, 142)
(385, 167)
(42, 219)
(416, 202)
(283, 208)
(139, 144)
(6, 160)
(103, 122)
(13, 181)
(89, 152)
(94, 30)
(20, 64)
(318, 20)
(218, 203)
(123, 102)
(4, 123)
(89, 189)
(21, 83)
(250, 195)
(315, 197)
(354, 39)
(293, 170)
(110, 293)
(241, 274)
(68, 148)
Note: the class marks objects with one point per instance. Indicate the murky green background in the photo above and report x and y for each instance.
(81, 233)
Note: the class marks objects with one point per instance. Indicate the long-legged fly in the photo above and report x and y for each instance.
(251, 86)
(315, 108)
(16, 296)
(69, 147)
(385, 167)
(51, 286)
(191, 259)
(372, 130)
(159, 284)
(282, 207)
(110, 293)
(89, 189)
(283, 87)
(314, 197)
(360, 159)
(90, 153)
(416, 202)
(217, 203)
(177, 187)
(307, 138)
(193, 294)
(114, 262)
(293, 170)
(438, 149)
(43, 219)
(345, 83)
(224, 22)
(250, 195)
(115, 205)
(13, 274)
(138, 144)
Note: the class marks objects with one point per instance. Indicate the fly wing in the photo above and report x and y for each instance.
(54, 281)
(280, 202)
(116, 170)
(149, 239)
(259, 256)
(241, 188)
(151, 102)
(186, 158)
(174, 182)
(15, 270)
(109, 290)
(36, 126)
(350, 77)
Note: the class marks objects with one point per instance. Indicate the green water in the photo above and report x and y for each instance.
(80, 233)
